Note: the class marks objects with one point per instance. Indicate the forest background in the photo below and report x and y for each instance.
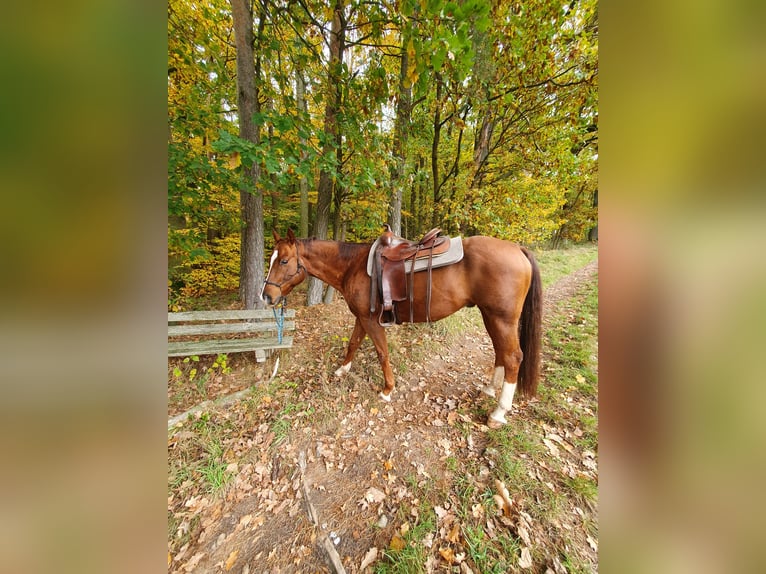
(334, 116)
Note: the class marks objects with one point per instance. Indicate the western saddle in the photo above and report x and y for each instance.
(389, 277)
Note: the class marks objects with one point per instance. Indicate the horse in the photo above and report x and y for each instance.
(499, 277)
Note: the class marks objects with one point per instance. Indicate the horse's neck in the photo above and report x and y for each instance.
(321, 259)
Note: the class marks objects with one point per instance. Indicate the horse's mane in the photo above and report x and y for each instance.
(348, 250)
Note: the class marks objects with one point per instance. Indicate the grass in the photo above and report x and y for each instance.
(557, 263)
(283, 423)
(412, 555)
(489, 556)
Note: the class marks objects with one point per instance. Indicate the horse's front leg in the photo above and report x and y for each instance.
(353, 345)
(378, 336)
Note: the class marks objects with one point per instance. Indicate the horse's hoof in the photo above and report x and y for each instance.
(342, 370)
(495, 424)
(489, 390)
(385, 397)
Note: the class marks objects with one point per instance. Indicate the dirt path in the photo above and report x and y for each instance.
(366, 461)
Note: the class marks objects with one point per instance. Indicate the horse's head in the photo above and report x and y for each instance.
(285, 270)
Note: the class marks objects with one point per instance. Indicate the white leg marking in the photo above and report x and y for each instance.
(497, 380)
(385, 397)
(503, 405)
(343, 369)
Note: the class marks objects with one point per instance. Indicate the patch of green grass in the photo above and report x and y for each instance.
(583, 486)
(412, 557)
(284, 420)
(213, 468)
(556, 263)
(199, 458)
(490, 556)
(572, 348)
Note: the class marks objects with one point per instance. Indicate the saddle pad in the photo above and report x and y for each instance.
(452, 255)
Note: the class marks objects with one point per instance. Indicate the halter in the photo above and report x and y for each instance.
(287, 279)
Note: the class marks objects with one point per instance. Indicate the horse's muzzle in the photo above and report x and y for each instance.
(273, 302)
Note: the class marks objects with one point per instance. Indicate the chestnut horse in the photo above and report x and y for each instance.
(499, 277)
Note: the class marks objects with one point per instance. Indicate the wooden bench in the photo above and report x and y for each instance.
(200, 332)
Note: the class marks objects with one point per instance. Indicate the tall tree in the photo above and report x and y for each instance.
(303, 182)
(401, 131)
(251, 195)
(328, 173)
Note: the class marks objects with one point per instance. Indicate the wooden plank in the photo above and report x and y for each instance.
(222, 328)
(229, 315)
(187, 348)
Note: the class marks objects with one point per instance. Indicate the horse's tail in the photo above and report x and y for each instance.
(530, 331)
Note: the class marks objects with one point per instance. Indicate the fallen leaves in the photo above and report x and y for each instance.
(231, 560)
(397, 543)
(525, 560)
(383, 458)
(503, 499)
(374, 495)
(369, 558)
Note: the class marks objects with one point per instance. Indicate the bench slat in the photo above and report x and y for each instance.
(221, 328)
(187, 348)
(231, 315)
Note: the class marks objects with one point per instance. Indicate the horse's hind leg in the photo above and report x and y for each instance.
(505, 339)
(357, 336)
(499, 371)
(497, 379)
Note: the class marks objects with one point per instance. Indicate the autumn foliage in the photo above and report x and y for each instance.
(478, 117)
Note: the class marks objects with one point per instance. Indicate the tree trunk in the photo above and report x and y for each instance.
(327, 174)
(251, 196)
(435, 217)
(481, 146)
(274, 192)
(303, 184)
(401, 132)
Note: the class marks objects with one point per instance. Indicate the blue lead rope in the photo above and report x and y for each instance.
(280, 320)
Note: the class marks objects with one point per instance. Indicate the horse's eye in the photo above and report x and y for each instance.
(283, 262)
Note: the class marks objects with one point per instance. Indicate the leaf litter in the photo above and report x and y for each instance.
(365, 460)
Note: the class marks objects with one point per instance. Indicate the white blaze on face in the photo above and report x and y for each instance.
(273, 259)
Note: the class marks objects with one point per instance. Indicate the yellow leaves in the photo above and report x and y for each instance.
(411, 77)
(411, 50)
(447, 554)
(397, 543)
(231, 560)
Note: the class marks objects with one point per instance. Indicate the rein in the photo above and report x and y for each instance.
(280, 319)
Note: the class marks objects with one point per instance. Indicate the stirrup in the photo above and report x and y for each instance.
(387, 318)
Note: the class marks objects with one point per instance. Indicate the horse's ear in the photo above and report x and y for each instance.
(290, 235)
(276, 236)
